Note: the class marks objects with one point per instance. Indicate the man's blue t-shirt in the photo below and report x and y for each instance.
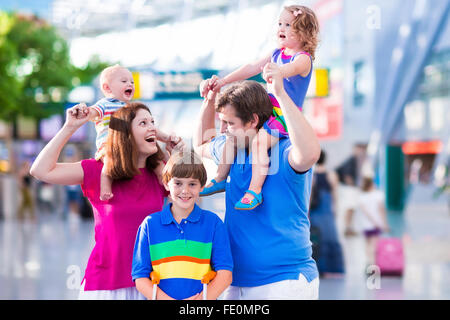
(272, 242)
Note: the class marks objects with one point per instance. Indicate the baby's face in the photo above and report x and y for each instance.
(120, 85)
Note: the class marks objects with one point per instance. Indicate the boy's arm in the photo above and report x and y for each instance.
(218, 285)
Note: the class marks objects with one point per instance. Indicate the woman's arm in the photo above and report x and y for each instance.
(46, 167)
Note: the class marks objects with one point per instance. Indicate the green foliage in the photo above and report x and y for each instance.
(36, 74)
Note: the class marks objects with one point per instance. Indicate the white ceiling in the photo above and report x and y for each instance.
(92, 17)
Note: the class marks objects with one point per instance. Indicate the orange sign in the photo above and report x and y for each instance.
(422, 147)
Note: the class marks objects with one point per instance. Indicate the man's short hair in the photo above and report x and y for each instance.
(248, 98)
(184, 164)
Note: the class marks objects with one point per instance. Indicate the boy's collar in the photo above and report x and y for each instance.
(167, 217)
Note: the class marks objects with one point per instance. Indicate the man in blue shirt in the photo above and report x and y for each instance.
(270, 245)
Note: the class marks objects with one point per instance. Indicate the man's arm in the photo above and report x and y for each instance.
(206, 127)
(305, 145)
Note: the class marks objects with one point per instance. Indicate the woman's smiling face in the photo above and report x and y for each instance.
(144, 133)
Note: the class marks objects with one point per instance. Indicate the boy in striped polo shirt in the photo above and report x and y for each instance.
(182, 242)
(117, 85)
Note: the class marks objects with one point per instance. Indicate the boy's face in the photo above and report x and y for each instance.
(184, 191)
(119, 85)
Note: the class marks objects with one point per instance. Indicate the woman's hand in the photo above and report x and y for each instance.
(77, 116)
(174, 143)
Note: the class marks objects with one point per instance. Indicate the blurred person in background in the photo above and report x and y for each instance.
(349, 173)
(373, 215)
(27, 203)
(322, 213)
(134, 154)
(297, 37)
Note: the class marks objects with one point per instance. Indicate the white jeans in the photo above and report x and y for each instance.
(130, 293)
(299, 289)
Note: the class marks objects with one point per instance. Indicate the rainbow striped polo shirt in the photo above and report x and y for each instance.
(181, 253)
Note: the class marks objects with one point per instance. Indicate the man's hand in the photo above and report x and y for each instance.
(272, 75)
(212, 84)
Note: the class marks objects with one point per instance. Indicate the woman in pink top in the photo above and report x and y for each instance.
(138, 192)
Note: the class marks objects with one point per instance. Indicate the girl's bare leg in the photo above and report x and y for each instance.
(260, 161)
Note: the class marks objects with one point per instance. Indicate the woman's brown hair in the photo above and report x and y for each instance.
(121, 148)
(306, 26)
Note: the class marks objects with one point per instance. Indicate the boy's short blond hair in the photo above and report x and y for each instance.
(184, 164)
(106, 74)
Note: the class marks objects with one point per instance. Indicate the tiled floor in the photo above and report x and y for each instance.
(46, 259)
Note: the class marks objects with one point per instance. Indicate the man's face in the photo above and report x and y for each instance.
(233, 126)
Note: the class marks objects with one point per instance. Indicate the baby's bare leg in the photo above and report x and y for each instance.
(105, 183)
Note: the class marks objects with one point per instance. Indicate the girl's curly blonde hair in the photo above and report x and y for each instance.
(306, 26)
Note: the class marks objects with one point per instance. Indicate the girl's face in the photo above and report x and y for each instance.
(144, 133)
(184, 192)
(286, 36)
(120, 85)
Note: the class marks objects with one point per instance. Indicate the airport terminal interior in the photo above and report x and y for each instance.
(381, 86)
